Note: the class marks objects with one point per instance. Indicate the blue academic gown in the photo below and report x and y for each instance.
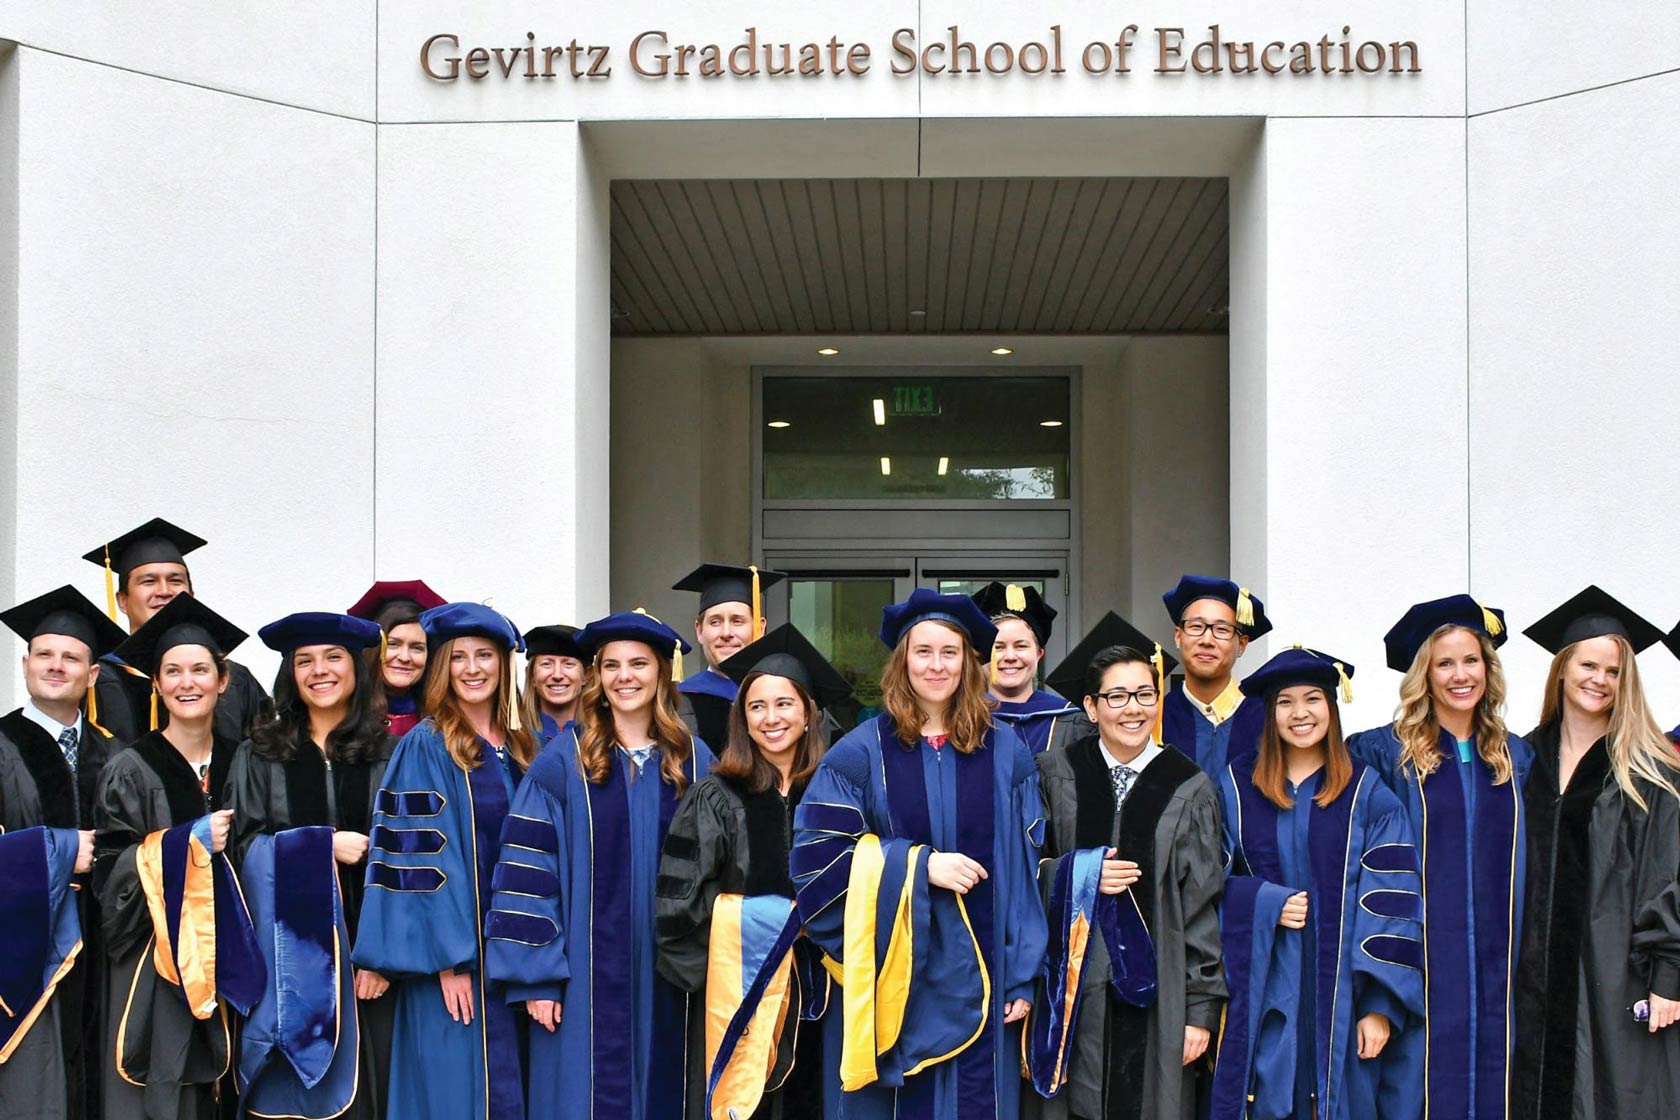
(1296, 996)
(431, 854)
(572, 913)
(1212, 747)
(1474, 844)
(709, 682)
(1034, 719)
(985, 804)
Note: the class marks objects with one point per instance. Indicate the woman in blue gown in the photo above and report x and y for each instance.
(1320, 921)
(436, 820)
(572, 914)
(1460, 775)
(915, 858)
(553, 679)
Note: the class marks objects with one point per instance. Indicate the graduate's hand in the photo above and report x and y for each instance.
(221, 822)
(1294, 914)
(84, 851)
(954, 871)
(1117, 874)
(370, 985)
(545, 1011)
(1664, 1013)
(1373, 1034)
(349, 847)
(1016, 1010)
(1196, 1041)
(457, 995)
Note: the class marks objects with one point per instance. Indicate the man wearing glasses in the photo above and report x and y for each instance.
(1208, 718)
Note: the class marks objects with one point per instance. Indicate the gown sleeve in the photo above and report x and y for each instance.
(1378, 749)
(827, 826)
(1388, 917)
(690, 868)
(1026, 932)
(121, 821)
(1198, 873)
(420, 912)
(1656, 924)
(525, 932)
(247, 793)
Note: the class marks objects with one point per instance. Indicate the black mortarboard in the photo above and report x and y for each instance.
(725, 583)
(155, 542)
(183, 621)
(1672, 640)
(1068, 678)
(1592, 614)
(1407, 636)
(1025, 603)
(65, 611)
(558, 639)
(784, 652)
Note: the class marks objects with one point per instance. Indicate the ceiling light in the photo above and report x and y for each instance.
(780, 424)
(944, 464)
(880, 406)
(886, 465)
(1002, 351)
(918, 314)
(828, 351)
(1049, 423)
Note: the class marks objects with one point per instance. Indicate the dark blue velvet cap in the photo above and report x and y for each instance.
(319, 628)
(470, 620)
(1407, 636)
(925, 604)
(629, 626)
(1191, 588)
(1299, 666)
(999, 600)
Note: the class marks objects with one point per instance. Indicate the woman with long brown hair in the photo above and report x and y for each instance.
(1460, 775)
(1321, 916)
(437, 816)
(931, 810)
(727, 856)
(1598, 988)
(572, 915)
(400, 661)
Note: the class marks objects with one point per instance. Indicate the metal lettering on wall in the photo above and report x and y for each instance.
(657, 54)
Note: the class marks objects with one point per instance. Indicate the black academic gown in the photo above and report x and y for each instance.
(147, 787)
(1128, 1061)
(269, 796)
(36, 788)
(125, 702)
(727, 840)
(1601, 931)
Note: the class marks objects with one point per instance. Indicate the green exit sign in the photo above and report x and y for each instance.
(914, 400)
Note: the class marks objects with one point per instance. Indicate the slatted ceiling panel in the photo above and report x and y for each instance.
(982, 256)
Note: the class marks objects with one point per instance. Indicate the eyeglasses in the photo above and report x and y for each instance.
(1118, 698)
(1196, 627)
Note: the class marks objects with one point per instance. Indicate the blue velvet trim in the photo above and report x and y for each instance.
(609, 946)
(26, 941)
(414, 879)
(1401, 905)
(411, 803)
(1405, 952)
(1393, 858)
(306, 920)
(524, 929)
(521, 878)
(407, 841)
(529, 832)
(770, 957)
(1328, 853)
(1131, 950)
(977, 787)
(1050, 1025)
(841, 820)
(503, 1077)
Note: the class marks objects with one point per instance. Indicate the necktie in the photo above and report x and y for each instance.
(1122, 777)
(67, 744)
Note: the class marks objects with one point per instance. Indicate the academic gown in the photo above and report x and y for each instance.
(149, 787)
(1128, 1061)
(432, 850)
(269, 796)
(726, 839)
(1291, 1040)
(709, 694)
(1212, 747)
(1601, 932)
(1472, 838)
(572, 917)
(874, 812)
(125, 698)
(1045, 721)
(37, 788)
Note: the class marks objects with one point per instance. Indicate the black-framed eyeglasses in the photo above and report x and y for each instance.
(1196, 627)
(1118, 698)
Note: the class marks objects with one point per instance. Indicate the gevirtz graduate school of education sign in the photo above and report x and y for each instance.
(661, 55)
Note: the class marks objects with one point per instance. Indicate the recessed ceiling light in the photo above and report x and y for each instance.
(1002, 351)
(780, 424)
(1049, 423)
(918, 314)
(880, 407)
(944, 464)
(828, 351)
(886, 465)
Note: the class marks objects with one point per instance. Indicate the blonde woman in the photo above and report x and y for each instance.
(1598, 987)
(1459, 774)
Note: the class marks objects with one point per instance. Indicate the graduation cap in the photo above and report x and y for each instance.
(1672, 640)
(1407, 636)
(391, 592)
(999, 600)
(1251, 612)
(726, 583)
(1300, 666)
(784, 652)
(1593, 614)
(633, 626)
(558, 640)
(320, 628)
(925, 604)
(1068, 678)
(183, 621)
(475, 620)
(155, 542)
(68, 612)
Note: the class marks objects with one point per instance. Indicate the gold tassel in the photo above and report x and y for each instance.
(1490, 622)
(1159, 663)
(1245, 608)
(382, 649)
(110, 586)
(757, 604)
(93, 706)
(512, 690)
(1014, 598)
(991, 668)
(676, 661)
(1346, 684)
(154, 707)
